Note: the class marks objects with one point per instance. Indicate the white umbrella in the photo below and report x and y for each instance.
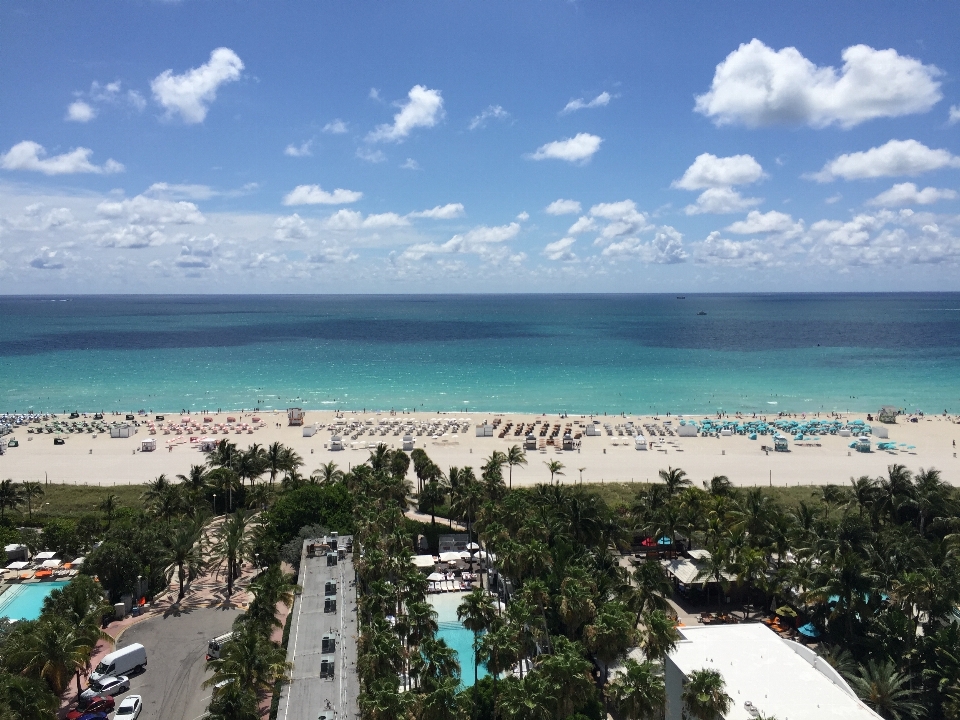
(434, 577)
(465, 555)
(472, 546)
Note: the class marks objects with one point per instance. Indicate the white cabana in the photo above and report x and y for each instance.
(18, 565)
(423, 561)
(45, 556)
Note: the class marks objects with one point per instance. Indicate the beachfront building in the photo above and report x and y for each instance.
(763, 674)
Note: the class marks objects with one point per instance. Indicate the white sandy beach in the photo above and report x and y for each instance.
(107, 461)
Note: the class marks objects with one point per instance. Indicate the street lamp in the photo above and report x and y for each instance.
(214, 504)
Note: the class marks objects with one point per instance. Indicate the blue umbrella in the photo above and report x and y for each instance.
(809, 630)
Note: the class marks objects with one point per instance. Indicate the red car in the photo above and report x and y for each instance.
(98, 703)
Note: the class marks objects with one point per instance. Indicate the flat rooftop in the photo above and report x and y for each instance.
(310, 694)
(781, 678)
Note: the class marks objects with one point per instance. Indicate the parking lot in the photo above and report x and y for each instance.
(176, 662)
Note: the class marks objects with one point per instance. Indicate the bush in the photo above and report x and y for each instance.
(115, 566)
(327, 505)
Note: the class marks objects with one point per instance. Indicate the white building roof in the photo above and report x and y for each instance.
(781, 678)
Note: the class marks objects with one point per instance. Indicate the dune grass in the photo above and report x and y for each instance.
(74, 501)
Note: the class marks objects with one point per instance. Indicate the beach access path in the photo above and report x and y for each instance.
(108, 461)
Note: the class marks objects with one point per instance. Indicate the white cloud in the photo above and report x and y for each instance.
(336, 127)
(623, 212)
(717, 250)
(315, 195)
(142, 209)
(523, 216)
(291, 227)
(424, 108)
(582, 225)
(578, 149)
(563, 207)
(721, 201)
(440, 212)
(758, 86)
(79, 111)
(28, 155)
(370, 155)
(190, 94)
(493, 112)
(410, 164)
(666, 248)
(560, 250)
(907, 193)
(601, 100)
(353, 220)
(481, 240)
(833, 199)
(896, 157)
(954, 116)
(710, 171)
(170, 191)
(47, 259)
(758, 223)
(301, 150)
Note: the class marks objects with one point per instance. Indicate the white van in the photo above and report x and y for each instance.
(125, 661)
(215, 645)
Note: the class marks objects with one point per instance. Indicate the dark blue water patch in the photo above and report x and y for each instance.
(379, 332)
(737, 335)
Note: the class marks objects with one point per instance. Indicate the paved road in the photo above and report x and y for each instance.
(176, 661)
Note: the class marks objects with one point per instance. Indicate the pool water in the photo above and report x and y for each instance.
(24, 601)
(455, 634)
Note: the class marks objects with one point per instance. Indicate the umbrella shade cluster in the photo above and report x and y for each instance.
(797, 428)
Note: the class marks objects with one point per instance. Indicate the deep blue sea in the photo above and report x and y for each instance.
(532, 353)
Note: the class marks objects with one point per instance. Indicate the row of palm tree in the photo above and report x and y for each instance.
(40, 657)
(875, 567)
(14, 495)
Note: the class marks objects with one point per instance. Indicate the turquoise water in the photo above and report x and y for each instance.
(522, 353)
(455, 635)
(24, 601)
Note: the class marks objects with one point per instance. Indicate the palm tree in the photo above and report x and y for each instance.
(231, 545)
(327, 474)
(276, 460)
(433, 494)
(444, 701)
(51, 650)
(659, 635)
(26, 699)
(249, 660)
(233, 702)
(224, 481)
(610, 635)
(108, 506)
(270, 588)
(183, 553)
(10, 496)
(515, 457)
(30, 490)
(704, 696)
(477, 613)
(195, 482)
(639, 692)
(675, 478)
(499, 650)
(887, 691)
(555, 467)
(156, 488)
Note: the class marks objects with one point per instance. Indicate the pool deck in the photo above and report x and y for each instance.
(308, 695)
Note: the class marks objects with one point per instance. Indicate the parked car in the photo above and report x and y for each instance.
(130, 708)
(94, 703)
(93, 716)
(107, 686)
(126, 660)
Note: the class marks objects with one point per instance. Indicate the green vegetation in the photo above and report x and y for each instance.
(39, 658)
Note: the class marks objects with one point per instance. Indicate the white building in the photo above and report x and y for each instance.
(763, 674)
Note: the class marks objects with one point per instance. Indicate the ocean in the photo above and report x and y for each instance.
(521, 353)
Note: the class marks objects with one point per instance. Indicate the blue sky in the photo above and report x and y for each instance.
(478, 146)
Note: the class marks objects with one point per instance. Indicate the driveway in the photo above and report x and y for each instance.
(176, 661)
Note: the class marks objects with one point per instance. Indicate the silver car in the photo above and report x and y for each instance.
(107, 686)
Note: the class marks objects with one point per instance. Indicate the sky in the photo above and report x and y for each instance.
(420, 147)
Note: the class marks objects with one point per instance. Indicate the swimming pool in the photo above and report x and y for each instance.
(24, 601)
(455, 634)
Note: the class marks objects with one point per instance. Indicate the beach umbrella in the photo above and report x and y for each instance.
(473, 546)
(809, 630)
(435, 576)
(465, 555)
